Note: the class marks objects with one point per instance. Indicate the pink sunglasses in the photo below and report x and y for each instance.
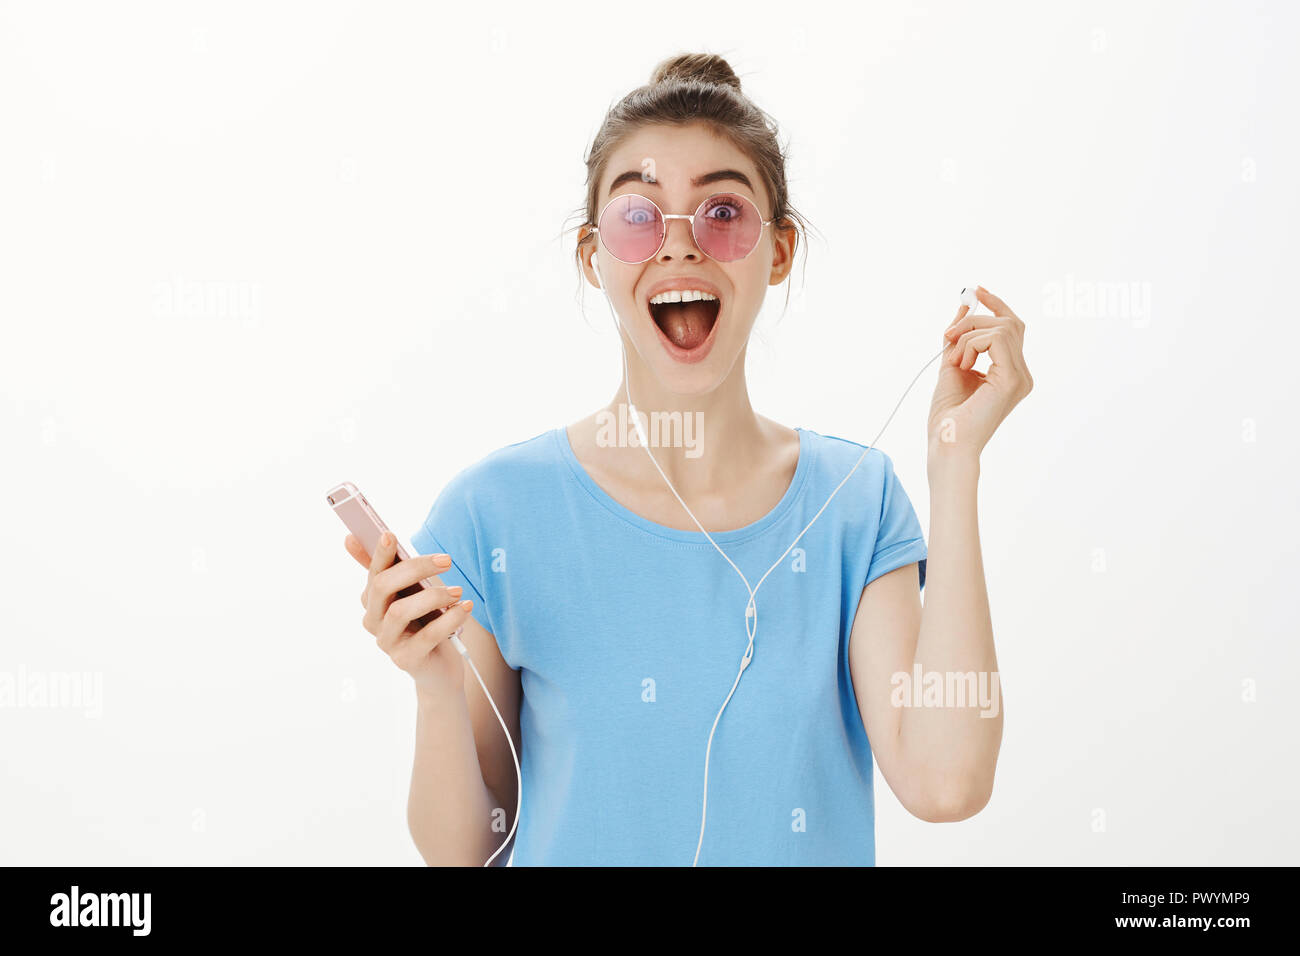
(726, 227)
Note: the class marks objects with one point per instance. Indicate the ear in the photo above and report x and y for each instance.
(784, 239)
(588, 259)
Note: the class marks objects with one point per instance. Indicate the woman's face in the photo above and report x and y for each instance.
(691, 347)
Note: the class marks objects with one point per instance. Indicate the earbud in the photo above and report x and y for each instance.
(969, 299)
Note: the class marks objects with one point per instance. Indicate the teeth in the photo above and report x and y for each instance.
(675, 295)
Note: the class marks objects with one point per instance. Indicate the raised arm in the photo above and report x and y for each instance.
(936, 740)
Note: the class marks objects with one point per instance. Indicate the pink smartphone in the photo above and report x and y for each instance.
(364, 522)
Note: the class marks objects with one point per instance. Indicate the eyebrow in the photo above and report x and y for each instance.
(634, 175)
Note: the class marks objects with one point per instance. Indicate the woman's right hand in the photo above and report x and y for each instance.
(424, 652)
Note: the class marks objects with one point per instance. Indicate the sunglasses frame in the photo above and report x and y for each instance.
(689, 217)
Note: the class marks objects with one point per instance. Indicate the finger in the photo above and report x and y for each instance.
(423, 641)
(992, 302)
(384, 553)
(428, 599)
(998, 344)
(959, 346)
(961, 314)
(397, 619)
(355, 549)
(1010, 358)
(405, 573)
(385, 550)
(419, 644)
(972, 343)
(983, 321)
(381, 589)
(1007, 359)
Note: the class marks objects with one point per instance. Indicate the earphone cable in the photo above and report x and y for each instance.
(751, 609)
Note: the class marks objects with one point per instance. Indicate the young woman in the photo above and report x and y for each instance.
(607, 626)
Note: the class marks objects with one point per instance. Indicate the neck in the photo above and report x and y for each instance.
(702, 442)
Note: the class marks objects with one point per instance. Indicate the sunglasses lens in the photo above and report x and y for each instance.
(727, 227)
(631, 228)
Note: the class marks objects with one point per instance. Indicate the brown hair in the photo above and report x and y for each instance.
(695, 88)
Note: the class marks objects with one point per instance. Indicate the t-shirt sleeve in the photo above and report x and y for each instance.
(450, 528)
(899, 540)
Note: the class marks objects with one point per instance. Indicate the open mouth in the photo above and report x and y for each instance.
(686, 325)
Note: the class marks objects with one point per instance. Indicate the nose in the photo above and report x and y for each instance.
(679, 242)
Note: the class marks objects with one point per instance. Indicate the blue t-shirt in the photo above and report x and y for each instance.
(628, 635)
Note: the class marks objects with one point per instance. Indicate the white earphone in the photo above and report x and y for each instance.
(751, 608)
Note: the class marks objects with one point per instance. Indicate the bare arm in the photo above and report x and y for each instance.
(937, 743)
(463, 783)
(938, 760)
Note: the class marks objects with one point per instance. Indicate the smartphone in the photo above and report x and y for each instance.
(364, 523)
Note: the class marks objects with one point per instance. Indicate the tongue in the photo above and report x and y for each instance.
(686, 324)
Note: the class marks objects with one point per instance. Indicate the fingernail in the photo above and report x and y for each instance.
(456, 589)
(467, 604)
(442, 558)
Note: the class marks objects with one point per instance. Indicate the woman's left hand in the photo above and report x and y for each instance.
(968, 406)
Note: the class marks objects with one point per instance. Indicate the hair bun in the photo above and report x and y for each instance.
(702, 67)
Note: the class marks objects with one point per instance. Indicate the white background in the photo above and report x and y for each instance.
(250, 250)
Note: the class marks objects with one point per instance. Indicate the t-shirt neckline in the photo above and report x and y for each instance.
(802, 468)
